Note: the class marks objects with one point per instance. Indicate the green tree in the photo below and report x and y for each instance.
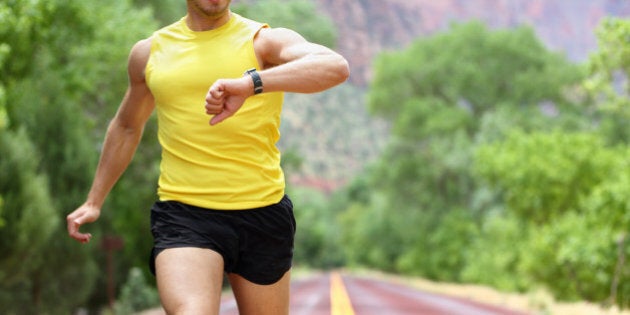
(56, 57)
(30, 222)
(317, 230)
(474, 69)
(494, 254)
(444, 95)
(607, 212)
(608, 82)
(136, 294)
(370, 234)
(566, 190)
(164, 11)
(542, 176)
(450, 238)
(609, 67)
(547, 182)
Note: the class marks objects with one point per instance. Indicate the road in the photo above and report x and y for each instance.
(340, 294)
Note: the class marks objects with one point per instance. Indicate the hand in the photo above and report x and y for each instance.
(226, 96)
(84, 214)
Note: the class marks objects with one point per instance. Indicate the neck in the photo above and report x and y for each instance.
(199, 22)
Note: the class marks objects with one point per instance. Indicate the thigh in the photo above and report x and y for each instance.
(189, 280)
(257, 299)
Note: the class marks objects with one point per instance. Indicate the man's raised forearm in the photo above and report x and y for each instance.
(309, 74)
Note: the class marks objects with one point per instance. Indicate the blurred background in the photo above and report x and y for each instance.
(477, 142)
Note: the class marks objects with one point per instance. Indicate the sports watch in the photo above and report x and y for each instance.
(258, 85)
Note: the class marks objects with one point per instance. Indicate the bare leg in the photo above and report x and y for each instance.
(189, 280)
(256, 299)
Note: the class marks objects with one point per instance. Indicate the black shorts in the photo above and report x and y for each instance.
(256, 243)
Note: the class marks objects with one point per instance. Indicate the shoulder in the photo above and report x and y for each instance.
(279, 35)
(270, 40)
(142, 47)
(138, 58)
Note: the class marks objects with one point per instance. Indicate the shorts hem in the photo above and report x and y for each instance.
(264, 281)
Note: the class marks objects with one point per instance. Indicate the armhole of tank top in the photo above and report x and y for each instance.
(148, 68)
(259, 27)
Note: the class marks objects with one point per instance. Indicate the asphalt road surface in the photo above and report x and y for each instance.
(337, 294)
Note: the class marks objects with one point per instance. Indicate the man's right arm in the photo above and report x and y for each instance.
(122, 138)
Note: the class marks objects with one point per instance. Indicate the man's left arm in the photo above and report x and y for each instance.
(289, 64)
(292, 64)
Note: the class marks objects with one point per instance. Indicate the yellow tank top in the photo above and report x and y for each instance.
(234, 164)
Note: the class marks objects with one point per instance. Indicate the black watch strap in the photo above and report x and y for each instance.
(258, 85)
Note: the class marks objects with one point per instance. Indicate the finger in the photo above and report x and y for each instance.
(220, 117)
(73, 228)
(71, 225)
(212, 109)
(216, 93)
(74, 222)
(82, 238)
(214, 98)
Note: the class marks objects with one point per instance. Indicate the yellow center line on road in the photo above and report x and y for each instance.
(339, 299)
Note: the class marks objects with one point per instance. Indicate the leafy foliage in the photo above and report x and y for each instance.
(609, 67)
(317, 230)
(136, 294)
(608, 83)
(549, 182)
(164, 11)
(49, 76)
(473, 68)
(25, 192)
(495, 251)
(501, 168)
(566, 166)
(438, 93)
